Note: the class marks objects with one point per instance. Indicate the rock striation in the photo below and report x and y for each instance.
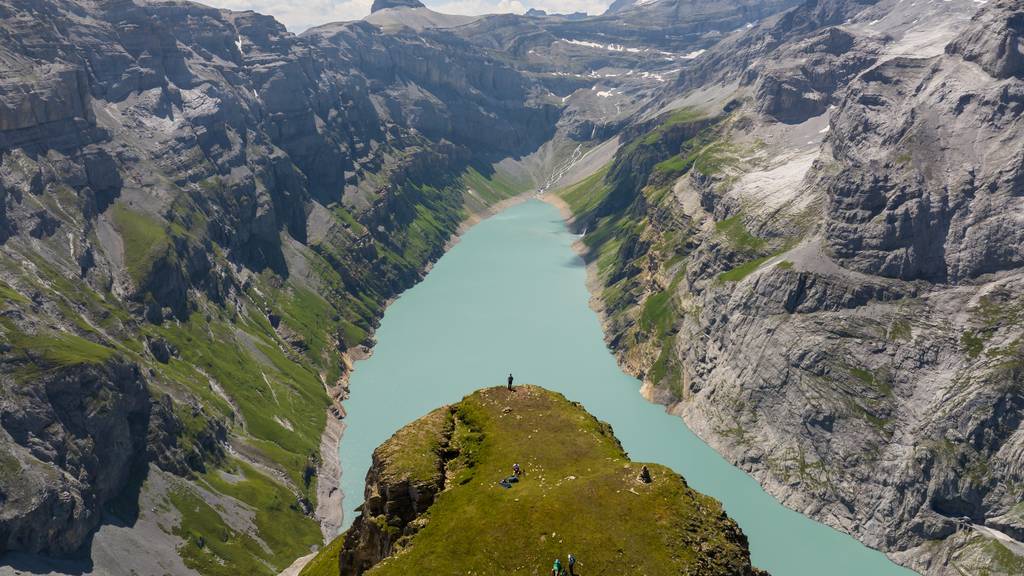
(823, 277)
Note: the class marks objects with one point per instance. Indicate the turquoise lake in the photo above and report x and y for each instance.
(511, 297)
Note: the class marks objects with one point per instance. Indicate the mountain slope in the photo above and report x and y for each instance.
(433, 503)
(201, 215)
(831, 297)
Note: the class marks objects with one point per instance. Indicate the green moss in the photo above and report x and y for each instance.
(60, 349)
(682, 116)
(784, 265)
(570, 486)
(10, 295)
(676, 163)
(736, 233)
(587, 194)
(877, 381)
(900, 330)
(743, 270)
(658, 313)
(345, 216)
(664, 366)
(144, 238)
(280, 523)
(325, 563)
(973, 343)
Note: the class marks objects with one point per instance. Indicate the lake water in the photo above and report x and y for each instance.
(511, 297)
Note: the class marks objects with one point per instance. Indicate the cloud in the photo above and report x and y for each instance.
(298, 15)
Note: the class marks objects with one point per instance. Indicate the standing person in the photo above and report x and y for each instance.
(516, 470)
(572, 565)
(556, 569)
(510, 381)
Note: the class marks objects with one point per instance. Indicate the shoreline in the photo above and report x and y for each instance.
(791, 500)
(329, 512)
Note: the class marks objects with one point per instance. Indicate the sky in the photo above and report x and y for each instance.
(298, 15)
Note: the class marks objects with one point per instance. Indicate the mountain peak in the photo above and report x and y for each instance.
(382, 4)
(995, 39)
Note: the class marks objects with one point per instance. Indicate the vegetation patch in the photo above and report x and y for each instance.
(281, 524)
(743, 270)
(495, 187)
(579, 493)
(739, 237)
(212, 547)
(60, 350)
(973, 343)
(145, 239)
(325, 563)
(586, 195)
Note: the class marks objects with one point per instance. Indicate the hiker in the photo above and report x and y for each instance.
(556, 570)
(516, 471)
(510, 381)
(572, 565)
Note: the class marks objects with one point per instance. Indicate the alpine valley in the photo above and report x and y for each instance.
(803, 223)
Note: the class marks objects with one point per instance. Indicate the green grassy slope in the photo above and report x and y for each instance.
(579, 494)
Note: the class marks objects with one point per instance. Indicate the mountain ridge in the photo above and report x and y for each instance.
(199, 201)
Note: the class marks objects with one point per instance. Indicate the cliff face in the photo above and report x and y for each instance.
(71, 438)
(200, 213)
(832, 299)
(433, 503)
(202, 217)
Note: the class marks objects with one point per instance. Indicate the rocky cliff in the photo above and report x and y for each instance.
(822, 276)
(433, 502)
(202, 217)
(804, 226)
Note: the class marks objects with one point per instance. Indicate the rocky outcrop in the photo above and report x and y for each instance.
(436, 476)
(995, 40)
(927, 181)
(800, 82)
(844, 322)
(396, 494)
(71, 440)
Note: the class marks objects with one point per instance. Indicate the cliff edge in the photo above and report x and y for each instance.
(434, 503)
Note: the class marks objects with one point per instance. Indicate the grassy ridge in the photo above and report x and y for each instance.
(579, 494)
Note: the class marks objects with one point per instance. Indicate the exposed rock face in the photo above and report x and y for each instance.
(847, 324)
(995, 40)
(396, 496)
(928, 177)
(70, 441)
(800, 84)
(167, 164)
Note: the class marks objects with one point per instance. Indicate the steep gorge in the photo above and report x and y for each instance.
(808, 243)
(831, 297)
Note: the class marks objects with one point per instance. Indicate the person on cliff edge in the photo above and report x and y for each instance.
(510, 381)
